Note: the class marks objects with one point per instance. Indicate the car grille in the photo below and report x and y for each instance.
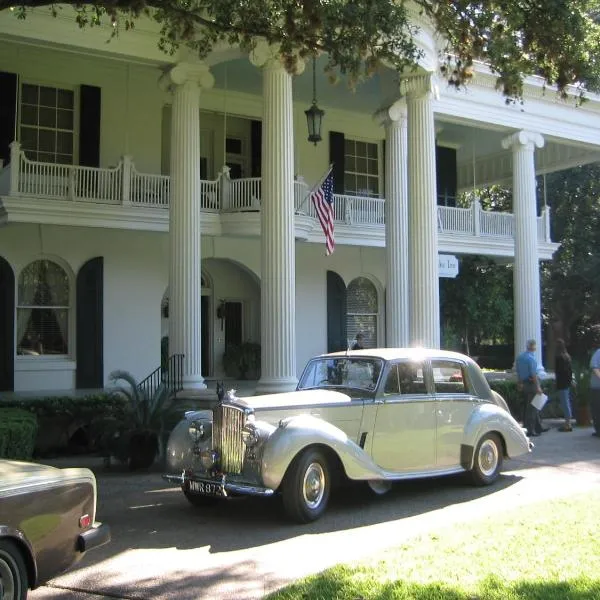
(228, 422)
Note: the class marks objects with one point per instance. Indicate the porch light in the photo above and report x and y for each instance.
(314, 115)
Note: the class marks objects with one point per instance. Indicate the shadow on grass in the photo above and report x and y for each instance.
(341, 583)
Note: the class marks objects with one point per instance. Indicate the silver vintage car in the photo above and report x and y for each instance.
(377, 415)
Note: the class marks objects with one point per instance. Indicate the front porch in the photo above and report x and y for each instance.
(33, 191)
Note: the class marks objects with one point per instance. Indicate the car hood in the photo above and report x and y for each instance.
(302, 398)
(15, 475)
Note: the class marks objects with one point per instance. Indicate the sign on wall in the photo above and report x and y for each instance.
(448, 265)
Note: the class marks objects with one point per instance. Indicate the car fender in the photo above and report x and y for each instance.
(296, 433)
(488, 418)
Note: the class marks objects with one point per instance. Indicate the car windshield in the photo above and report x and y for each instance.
(346, 372)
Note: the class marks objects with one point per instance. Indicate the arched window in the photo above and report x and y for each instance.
(43, 304)
(362, 311)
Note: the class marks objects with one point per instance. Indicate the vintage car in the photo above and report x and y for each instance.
(46, 523)
(378, 415)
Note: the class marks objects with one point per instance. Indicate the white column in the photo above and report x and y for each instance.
(186, 81)
(527, 293)
(278, 261)
(396, 227)
(422, 215)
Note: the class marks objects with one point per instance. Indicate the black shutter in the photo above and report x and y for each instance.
(8, 113)
(446, 176)
(7, 327)
(90, 324)
(336, 313)
(255, 148)
(89, 125)
(336, 158)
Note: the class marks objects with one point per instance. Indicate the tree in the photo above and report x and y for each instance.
(571, 286)
(557, 39)
(478, 304)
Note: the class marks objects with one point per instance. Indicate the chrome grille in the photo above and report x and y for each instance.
(228, 422)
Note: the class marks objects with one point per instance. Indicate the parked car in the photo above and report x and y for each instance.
(378, 416)
(47, 523)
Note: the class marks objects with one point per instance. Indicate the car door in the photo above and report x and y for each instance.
(454, 400)
(404, 432)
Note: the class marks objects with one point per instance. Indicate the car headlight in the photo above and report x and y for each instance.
(250, 434)
(197, 431)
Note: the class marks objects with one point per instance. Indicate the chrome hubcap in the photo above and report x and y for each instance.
(488, 457)
(313, 485)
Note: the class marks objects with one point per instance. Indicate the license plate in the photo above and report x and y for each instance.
(206, 487)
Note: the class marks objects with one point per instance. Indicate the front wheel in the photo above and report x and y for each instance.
(487, 461)
(307, 486)
(13, 572)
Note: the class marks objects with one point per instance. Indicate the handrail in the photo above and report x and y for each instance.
(169, 375)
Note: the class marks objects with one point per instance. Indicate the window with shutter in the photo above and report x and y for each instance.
(43, 305)
(361, 168)
(362, 315)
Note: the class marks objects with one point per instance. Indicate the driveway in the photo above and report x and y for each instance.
(164, 548)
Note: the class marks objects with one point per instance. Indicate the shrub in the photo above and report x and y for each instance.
(18, 429)
(507, 388)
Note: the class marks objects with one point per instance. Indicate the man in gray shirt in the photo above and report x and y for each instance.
(595, 382)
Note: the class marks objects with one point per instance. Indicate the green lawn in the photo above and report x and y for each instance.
(548, 551)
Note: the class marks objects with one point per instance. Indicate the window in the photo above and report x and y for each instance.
(362, 311)
(46, 123)
(361, 175)
(235, 159)
(405, 378)
(43, 301)
(449, 377)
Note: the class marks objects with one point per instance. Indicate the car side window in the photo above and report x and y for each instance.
(405, 378)
(449, 377)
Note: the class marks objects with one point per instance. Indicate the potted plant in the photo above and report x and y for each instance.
(139, 439)
(581, 393)
(242, 360)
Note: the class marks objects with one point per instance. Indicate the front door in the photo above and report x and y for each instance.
(405, 423)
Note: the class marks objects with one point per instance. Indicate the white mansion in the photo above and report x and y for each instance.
(143, 195)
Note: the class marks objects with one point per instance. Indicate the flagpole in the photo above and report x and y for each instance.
(315, 187)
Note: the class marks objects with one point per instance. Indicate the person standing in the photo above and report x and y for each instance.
(595, 382)
(528, 384)
(358, 342)
(563, 371)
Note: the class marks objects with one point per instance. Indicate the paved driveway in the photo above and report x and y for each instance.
(164, 548)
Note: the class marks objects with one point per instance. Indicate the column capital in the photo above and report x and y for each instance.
(268, 56)
(527, 139)
(394, 115)
(181, 73)
(418, 86)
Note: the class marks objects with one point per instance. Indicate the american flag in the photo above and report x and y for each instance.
(322, 199)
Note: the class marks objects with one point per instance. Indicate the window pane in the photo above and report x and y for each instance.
(410, 377)
(348, 146)
(43, 283)
(349, 183)
(372, 150)
(29, 138)
(64, 159)
(42, 331)
(365, 324)
(29, 94)
(46, 157)
(361, 165)
(47, 140)
(449, 377)
(362, 186)
(374, 186)
(350, 163)
(233, 145)
(64, 119)
(64, 142)
(65, 99)
(362, 296)
(361, 149)
(29, 114)
(48, 96)
(47, 117)
(372, 167)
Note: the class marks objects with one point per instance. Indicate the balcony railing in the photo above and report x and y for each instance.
(124, 185)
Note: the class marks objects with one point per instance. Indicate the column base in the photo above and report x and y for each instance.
(193, 383)
(274, 385)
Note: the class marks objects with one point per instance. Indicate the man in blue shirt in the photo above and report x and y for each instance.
(528, 385)
(595, 382)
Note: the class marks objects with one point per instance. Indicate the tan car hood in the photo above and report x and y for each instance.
(306, 398)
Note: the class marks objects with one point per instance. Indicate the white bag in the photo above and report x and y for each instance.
(539, 401)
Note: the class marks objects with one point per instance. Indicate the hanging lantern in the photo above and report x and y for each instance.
(314, 115)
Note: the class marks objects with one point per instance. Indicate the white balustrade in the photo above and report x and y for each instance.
(123, 184)
(455, 220)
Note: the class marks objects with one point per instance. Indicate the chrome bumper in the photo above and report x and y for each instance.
(98, 535)
(239, 489)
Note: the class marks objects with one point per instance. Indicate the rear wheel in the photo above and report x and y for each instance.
(487, 461)
(307, 486)
(13, 572)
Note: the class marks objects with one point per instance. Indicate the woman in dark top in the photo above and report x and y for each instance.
(564, 376)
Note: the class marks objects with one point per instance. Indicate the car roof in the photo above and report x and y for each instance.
(396, 353)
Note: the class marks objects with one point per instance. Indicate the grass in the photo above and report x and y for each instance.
(548, 551)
